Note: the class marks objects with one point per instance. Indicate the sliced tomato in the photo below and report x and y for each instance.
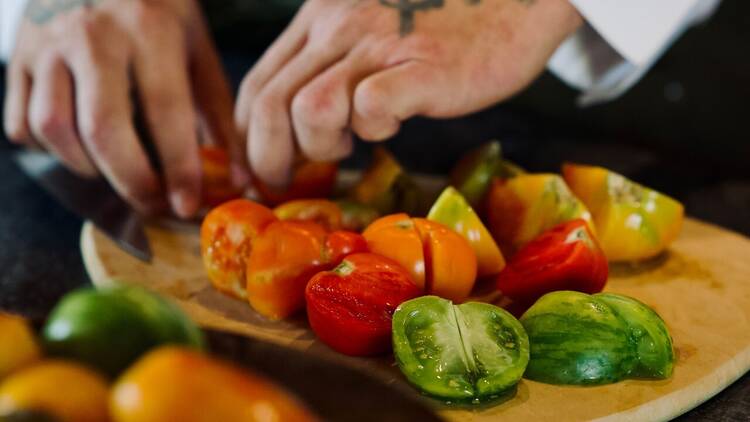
(396, 237)
(350, 308)
(227, 236)
(322, 211)
(567, 257)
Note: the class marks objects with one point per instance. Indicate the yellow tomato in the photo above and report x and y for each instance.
(180, 385)
(64, 390)
(386, 186)
(455, 212)
(18, 346)
(633, 222)
(522, 208)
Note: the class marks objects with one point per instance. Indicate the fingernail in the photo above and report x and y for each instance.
(239, 176)
(184, 204)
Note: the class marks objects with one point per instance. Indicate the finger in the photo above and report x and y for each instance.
(271, 137)
(215, 103)
(16, 104)
(286, 46)
(385, 99)
(51, 116)
(105, 123)
(161, 75)
(321, 110)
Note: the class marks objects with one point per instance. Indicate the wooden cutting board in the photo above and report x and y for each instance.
(701, 288)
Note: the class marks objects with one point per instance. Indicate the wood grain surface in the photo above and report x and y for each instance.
(701, 287)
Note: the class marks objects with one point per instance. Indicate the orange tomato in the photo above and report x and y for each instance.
(521, 208)
(64, 390)
(633, 222)
(18, 346)
(217, 185)
(285, 257)
(440, 261)
(395, 236)
(227, 236)
(178, 385)
(322, 211)
(310, 180)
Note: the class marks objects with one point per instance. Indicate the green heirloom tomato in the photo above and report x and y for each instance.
(109, 329)
(468, 353)
(582, 339)
(356, 216)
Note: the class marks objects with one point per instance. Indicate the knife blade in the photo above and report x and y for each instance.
(91, 199)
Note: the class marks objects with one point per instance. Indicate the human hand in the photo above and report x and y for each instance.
(365, 66)
(78, 68)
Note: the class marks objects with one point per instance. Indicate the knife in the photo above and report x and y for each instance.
(90, 199)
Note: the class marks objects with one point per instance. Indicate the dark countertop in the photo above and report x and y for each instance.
(40, 257)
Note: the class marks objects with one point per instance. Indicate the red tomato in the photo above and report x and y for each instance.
(216, 186)
(286, 256)
(350, 308)
(567, 257)
(310, 180)
(227, 236)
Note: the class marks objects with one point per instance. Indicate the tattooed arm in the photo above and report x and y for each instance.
(77, 66)
(364, 66)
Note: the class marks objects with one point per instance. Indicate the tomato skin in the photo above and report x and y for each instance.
(171, 384)
(452, 263)
(227, 236)
(310, 180)
(284, 258)
(351, 307)
(217, 186)
(322, 211)
(64, 390)
(395, 236)
(18, 345)
(566, 257)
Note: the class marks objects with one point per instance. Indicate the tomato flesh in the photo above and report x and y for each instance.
(351, 307)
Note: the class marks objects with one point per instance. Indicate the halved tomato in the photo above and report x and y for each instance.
(633, 222)
(322, 211)
(440, 261)
(522, 208)
(227, 236)
(567, 257)
(350, 308)
(311, 179)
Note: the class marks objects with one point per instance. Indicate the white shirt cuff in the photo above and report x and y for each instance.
(621, 41)
(11, 13)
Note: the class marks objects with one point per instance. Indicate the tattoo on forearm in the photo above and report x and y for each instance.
(407, 8)
(40, 12)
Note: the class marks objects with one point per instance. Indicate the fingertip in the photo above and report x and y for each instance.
(184, 202)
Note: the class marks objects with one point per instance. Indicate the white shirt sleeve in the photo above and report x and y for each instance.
(11, 13)
(620, 42)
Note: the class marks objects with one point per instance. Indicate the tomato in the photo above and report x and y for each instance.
(440, 261)
(171, 384)
(66, 391)
(322, 211)
(311, 179)
(356, 216)
(472, 352)
(452, 210)
(18, 347)
(386, 186)
(285, 257)
(217, 186)
(109, 329)
(350, 308)
(566, 257)
(227, 236)
(633, 222)
(522, 208)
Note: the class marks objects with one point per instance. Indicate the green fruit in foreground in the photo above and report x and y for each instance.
(110, 329)
(468, 352)
(582, 339)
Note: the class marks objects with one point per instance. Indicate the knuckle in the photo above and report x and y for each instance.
(313, 108)
(50, 125)
(369, 100)
(266, 106)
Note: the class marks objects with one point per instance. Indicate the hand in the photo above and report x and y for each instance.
(76, 71)
(365, 66)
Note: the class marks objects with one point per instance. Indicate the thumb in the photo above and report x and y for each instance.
(385, 99)
(215, 103)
